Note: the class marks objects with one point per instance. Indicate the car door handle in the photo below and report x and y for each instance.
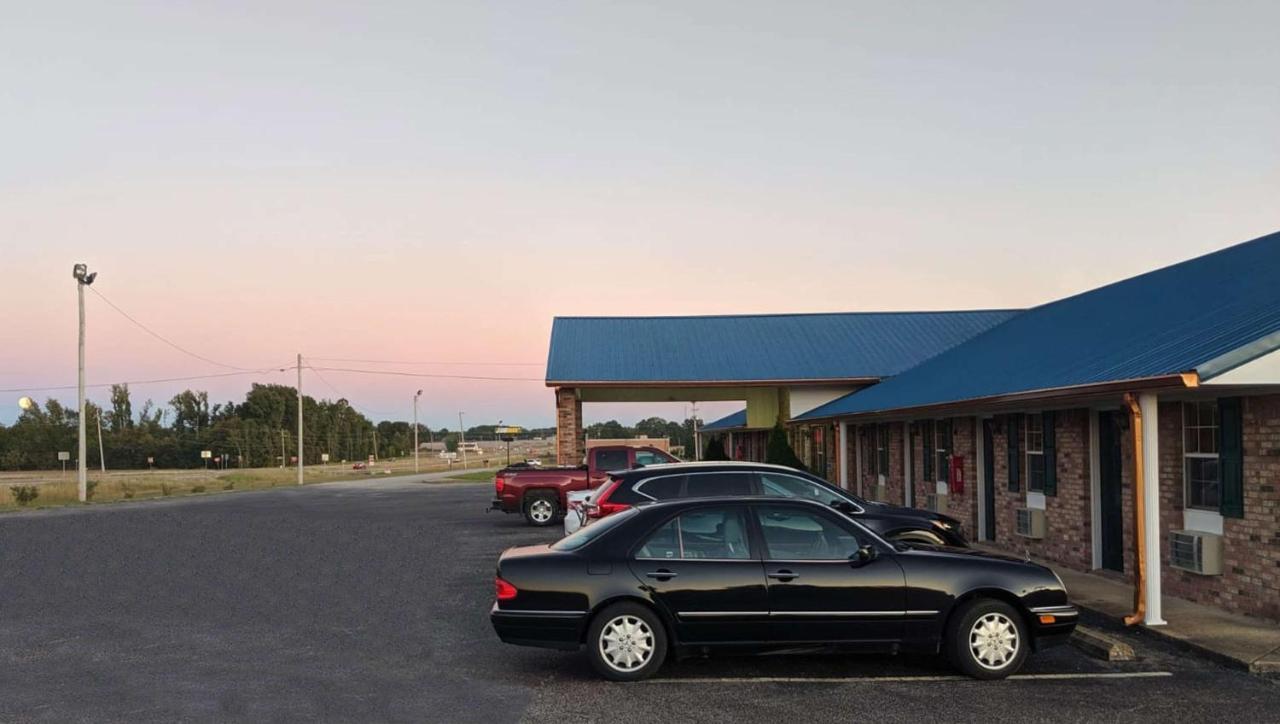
(784, 575)
(662, 574)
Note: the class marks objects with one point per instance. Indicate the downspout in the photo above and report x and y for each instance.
(1139, 526)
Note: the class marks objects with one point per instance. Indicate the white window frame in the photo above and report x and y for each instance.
(1215, 455)
(882, 449)
(1028, 452)
(942, 468)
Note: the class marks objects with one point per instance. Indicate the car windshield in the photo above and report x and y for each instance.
(583, 536)
(785, 485)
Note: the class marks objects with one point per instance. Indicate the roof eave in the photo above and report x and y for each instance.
(1181, 380)
(716, 383)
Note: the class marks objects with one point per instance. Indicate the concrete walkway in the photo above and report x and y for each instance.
(1233, 640)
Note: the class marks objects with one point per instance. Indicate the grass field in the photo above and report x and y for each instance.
(54, 488)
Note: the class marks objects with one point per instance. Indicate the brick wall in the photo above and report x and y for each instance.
(895, 483)
(571, 443)
(1250, 583)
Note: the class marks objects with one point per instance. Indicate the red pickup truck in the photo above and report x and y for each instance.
(539, 493)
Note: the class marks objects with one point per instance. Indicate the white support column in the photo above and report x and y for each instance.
(842, 448)
(1151, 504)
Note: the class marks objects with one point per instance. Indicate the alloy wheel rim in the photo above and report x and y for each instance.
(993, 641)
(540, 510)
(626, 643)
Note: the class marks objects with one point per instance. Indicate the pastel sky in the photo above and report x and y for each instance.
(433, 182)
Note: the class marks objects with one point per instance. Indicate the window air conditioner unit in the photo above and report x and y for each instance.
(937, 502)
(1191, 550)
(1030, 523)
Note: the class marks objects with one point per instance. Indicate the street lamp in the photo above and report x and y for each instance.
(83, 279)
(462, 441)
(415, 430)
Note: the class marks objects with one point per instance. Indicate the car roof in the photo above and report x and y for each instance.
(722, 500)
(703, 466)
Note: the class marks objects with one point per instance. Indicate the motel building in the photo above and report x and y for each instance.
(1131, 427)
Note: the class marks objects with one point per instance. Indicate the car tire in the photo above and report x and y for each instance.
(541, 508)
(626, 642)
(987, 639)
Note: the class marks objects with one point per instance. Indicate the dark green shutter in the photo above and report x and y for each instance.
(944, 432)
(926, 449)
(1050, 456)
(1231, 457)
(882, 438)
(1011, 424)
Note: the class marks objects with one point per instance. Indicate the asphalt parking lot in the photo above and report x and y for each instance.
(368, 601)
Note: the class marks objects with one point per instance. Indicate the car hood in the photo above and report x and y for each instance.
(900, 511)
(973, 553)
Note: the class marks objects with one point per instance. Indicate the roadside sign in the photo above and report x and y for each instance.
(206, 454)
(151, 460)
(370, 458)
(217, 458)
(64, 455)
(293, 459)
(324, 457)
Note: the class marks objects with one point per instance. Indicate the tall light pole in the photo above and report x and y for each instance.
(462, 444)
(83, 279)
(415, 430)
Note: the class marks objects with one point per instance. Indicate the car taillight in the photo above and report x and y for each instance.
(601, 507)
(503, 590)
(499, 483)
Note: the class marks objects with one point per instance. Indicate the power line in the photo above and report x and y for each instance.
(164, 339)
(340, 394)
(396, 373)
(49, 388)
(442, 364)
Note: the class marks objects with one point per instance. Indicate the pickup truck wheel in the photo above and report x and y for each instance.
(541, 508)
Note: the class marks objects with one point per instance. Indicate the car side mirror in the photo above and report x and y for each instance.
(863, 556)
(843, 506)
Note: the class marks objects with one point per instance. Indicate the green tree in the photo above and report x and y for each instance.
(714, 449)
(121, 415)
(778, 450)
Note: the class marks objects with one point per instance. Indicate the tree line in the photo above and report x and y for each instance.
(260, 431)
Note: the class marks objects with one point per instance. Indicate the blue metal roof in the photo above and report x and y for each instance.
(728, 422)
(1207, 315)
(754, 348)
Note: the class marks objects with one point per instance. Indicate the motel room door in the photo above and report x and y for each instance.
(989, 478)
(1110, 502)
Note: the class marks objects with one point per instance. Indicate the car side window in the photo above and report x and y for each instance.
(780, 485)
(611, 460)
(705, 533)
(664, 488)
(648, 457)
(791, 534)
(716, 485)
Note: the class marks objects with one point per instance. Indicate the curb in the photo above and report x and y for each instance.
(1100, 645)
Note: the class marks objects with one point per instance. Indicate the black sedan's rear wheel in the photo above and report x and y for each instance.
(541, 508)
(626, 642)
(987, 639)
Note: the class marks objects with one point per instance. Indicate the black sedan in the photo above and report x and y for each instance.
(730, 479)
(692, 576)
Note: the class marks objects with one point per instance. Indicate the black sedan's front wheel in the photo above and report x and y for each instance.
(626, 642)
(987, 639)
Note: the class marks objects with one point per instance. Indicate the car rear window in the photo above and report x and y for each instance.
(714, 485)
(583, 536)
(663, 488)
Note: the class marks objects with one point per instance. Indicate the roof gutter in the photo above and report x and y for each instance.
(714, 383)
(1183, 379)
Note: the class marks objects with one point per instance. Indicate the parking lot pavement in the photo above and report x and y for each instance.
(369, 601)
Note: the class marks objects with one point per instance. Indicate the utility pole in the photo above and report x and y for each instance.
(299, 418)
(697, 446)
(375, 446)
(283, 457)
(415, 430)
(462, 444)
(83, 279)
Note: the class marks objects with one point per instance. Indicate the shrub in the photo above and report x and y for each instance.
(230, 485)
(125, 490)
(24, 494)
(196, 489)
(166, 488)
(778, 451)
(90, 486)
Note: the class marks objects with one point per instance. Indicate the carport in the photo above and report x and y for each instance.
(778, 365)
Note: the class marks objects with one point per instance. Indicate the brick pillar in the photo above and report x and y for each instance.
(571, 446)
